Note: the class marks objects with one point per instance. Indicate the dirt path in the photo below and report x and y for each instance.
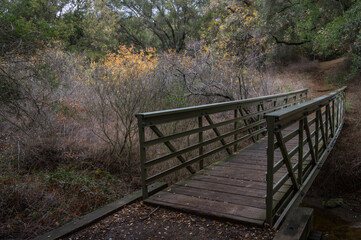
(139, 221)
(341, 175)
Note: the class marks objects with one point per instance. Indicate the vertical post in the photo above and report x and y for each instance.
(337, 103)
(269, 174)
(339, 109)
(344, 105)
(333, 117)
(285, 102)
(200, 140)
(328, 119)
(317, 131)
(300, 151)
(142, 156)
(258, 119)
(235, 128)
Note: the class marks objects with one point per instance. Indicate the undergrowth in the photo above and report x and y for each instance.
(35, 202)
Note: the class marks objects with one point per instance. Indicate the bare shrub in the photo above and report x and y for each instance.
(36, 106)
(120, 87)
(210, 76)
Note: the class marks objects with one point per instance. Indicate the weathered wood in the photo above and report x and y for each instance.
(219, 196)
(309, 140)
(98, 214)
(297, 226)
(200, 140)
(237, 187)
(238, 180)
(209, 207)
(240, 190)
(211, 123)
(172, 148)
(286, 159)
(317, 147)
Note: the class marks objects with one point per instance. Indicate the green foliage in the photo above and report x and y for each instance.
(337, 36)
(176, 96)
(324, 29)
(90, 28)
(26, 25)
(97, 185)
(170, 22)
(342, 36)
(339, 78)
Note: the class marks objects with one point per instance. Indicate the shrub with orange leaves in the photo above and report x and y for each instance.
(120, 86)
(127, 64)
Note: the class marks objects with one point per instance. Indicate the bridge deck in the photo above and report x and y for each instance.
(233, 189)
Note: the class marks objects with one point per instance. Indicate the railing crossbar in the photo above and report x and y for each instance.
(326, 115)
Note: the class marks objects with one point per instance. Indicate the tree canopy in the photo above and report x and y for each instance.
(323, 29)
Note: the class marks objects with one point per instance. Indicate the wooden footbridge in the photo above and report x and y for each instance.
(250, 160)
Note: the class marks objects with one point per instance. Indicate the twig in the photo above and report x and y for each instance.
(154, 210)
(19, 152)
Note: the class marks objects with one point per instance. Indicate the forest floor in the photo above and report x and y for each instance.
(340, 177)
(139, 221)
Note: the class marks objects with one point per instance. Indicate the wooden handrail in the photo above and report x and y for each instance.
(177, 114)
(318, 133)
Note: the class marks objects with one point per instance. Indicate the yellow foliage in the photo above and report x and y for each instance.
(127, 65)
(125, 68)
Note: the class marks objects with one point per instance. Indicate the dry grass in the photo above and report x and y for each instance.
(31, 204)
(341, 173)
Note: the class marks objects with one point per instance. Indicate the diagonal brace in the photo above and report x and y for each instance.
(171, 148)
(309, 140)
(323, 132)
(217, 133)
(286, 159)
(246, 123)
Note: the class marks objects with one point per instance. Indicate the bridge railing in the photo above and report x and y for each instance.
(313, 127)
(226, 124)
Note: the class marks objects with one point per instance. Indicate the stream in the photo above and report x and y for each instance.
(335, 228)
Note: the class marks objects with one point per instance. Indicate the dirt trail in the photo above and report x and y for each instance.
(341, 174)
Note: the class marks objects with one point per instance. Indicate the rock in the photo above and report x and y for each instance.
(333, 203)
(356, 225)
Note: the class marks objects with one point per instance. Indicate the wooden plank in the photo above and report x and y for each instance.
(98, 214)
(243, 175)
(241, 165)
(221, 188)
(229, 181)
(236, 182)
(208, 207)
(258, 180)
(240, 169)
(218, 196)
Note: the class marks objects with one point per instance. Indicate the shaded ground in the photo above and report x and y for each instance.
(139, 221)
(340, 177)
